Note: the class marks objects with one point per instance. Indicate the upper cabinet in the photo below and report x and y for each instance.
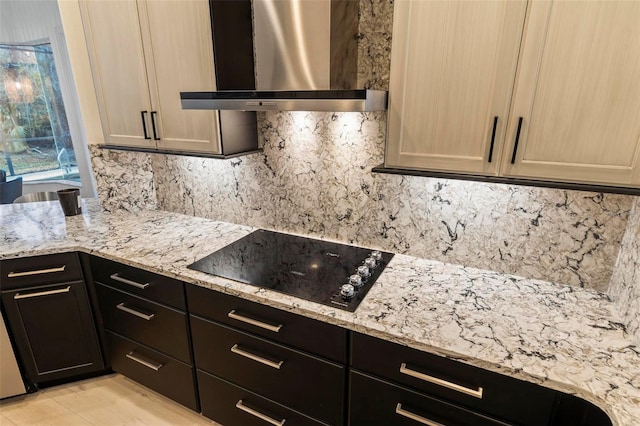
(143, 54)
(543, 90)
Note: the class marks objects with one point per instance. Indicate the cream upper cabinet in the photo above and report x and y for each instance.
(566, 91)
(452, 69)
(143, 54)
(578, 94)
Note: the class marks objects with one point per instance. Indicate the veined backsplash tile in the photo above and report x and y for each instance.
(374, 44)
(124, 178)
(625, 282)
(314, 178)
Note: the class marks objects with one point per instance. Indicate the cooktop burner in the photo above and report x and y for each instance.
(333, 274)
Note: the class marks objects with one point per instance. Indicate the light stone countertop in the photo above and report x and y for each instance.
(562, 337)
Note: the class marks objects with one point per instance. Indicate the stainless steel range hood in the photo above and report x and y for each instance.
(305, 60)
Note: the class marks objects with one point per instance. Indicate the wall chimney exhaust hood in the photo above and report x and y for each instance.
(305, 58)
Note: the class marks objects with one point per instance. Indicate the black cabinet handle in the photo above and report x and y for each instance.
(515, 144)
(153, 125)
(493, 137)
(144, 124)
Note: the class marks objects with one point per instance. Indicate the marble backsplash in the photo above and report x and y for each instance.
(124, 179)
(314, 178)
(625, 283)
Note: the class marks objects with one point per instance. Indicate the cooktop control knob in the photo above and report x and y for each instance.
(370, 262)
(347, 292)
(363, 271)
(377, 255)
(356, 281)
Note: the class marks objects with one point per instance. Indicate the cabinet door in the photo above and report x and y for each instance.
(54, 330)
(452, 70)
(181, 59)
(577, 95)
(119, 72)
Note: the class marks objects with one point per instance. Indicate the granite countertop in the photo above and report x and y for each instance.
(562, 337)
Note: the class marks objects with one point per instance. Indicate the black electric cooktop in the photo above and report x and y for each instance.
(333, 274)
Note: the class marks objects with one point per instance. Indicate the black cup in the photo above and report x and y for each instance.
(70, 201)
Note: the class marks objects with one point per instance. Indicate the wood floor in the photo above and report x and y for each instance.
(104, 401)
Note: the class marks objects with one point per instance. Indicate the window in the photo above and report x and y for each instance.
(35, 141)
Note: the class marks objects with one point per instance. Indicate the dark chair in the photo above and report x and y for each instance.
(10, 190)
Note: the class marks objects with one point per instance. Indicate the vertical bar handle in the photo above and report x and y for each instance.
(408, 414)
(515, 144)
(153, 125)
(144, 124)
(493, 138)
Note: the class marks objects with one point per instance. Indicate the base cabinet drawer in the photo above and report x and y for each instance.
(153, 369)
(231, 405)
(375, 402)
(303, 382)
(148, 285)
(461, 384)
(47, 269)
(306, 334)
(159, 327)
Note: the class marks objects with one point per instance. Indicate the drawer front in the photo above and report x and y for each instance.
(163, 374)
(501, 396)
(230, 405)
(161, 328)
(375, 402)
(307, 384)
(139, 282)
(294, 330)
(48, 269)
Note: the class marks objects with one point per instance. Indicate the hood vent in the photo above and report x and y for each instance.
(305, 58)
(287, 100)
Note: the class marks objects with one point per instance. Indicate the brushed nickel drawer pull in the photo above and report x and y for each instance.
(117, 277)
(417, 418)
(472, 392)
(236, 316)
(149, 364)
(236, 350)
(240, 406)
(19, 296)
(138, 314)
(36, 272)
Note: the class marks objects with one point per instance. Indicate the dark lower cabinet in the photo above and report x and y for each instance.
(578, 412)
(230, 405)
(146, 325)
(168, 376)
(54, 330)
(376, 402)
(482, 391)
(298, 380)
